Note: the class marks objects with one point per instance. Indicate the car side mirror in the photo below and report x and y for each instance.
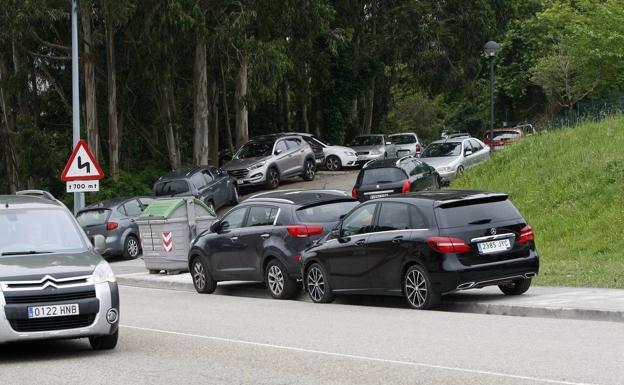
(277, 152)
(215, 227)
(467, 152)
(99, 243)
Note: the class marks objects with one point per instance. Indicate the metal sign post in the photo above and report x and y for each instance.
(79, 199)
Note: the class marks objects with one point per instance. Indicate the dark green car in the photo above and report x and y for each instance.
(53, 282)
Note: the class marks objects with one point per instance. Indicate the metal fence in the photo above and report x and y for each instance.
(589, 111)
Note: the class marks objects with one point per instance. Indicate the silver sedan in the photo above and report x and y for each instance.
(450, 157)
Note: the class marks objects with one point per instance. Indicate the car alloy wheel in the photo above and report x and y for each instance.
(416, 288)
(133, 247)
(199, 275)
(273, 179)
(332, 163)
(316, 284)
(276, 280)
(308, 173)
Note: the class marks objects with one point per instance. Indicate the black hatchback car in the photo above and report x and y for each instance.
(423, 245)
(381, 178)
(262, 239)
(209, 183)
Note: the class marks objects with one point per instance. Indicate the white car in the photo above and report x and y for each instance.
(336, 157)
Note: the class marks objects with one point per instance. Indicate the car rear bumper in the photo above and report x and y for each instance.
(107, 295)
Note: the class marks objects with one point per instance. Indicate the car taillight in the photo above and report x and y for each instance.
(406, 186)
(418, 148)
(354, 192)
(526, 235)
(303, 231)
(195, 196)
(111, 226)
(448, 245)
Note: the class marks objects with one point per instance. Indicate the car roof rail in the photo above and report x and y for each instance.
(370, 161)
(403, 158)
(37, 193)
(276, 200)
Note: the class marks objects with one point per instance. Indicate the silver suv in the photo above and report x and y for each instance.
(267, 159)
(53, 282)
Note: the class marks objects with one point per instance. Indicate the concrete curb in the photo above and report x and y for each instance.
(451, 303)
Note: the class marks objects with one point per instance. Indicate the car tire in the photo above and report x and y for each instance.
(235, 198)
(202, 279)
(104, 342)
(459, 172)
(333, 163)
(211, 207)
(132, 247)
(272, 179)
(516, 287)
(309, 170)
(436, 183)
(317, 284)
(279, 282)
(418, 289)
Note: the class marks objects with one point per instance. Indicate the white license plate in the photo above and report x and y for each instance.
(53, 311)
(378, 196)
(494, 246)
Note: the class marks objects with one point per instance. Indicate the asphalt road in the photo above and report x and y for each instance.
(175, 337)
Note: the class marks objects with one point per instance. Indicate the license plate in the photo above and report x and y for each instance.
(378, 196)
(53, 311)
(494, 246)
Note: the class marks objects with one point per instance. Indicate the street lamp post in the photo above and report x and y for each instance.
(490, 49)
(79, 198)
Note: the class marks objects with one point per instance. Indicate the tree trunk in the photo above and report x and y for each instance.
(200, 106)
(167, 117)
(214, 124)
(226, 113)
(368, 113)
(113, 128)
(93, 133)
(7, 131)
(240, 94)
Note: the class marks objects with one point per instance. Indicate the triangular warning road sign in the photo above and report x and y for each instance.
(82, 165)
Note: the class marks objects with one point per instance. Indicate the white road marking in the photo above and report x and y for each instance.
(358, 357)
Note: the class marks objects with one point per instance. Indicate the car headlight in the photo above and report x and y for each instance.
(375, 152)
(257, 165)
(103, 273)
(349, 153)
(446, 169)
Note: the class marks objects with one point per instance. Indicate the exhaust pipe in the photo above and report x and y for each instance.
(530, 275)
(465, 285)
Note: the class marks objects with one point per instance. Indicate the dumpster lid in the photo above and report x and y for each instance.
(166, 207)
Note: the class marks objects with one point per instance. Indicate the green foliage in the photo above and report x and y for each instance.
(567, 184)
(414, 112)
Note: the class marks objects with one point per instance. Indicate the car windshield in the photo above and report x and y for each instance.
(26, 231)
(382, 175)
(505, 135)
(171, 188)
(402, 139)
(435, 150)
(254, 150)
(92, 217)
(367, 141)
(324, 142)
(325, 212)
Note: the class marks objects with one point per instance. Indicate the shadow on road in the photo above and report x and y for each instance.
(45, 351)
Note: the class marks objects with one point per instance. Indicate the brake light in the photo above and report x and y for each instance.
(418, 148)
(526, 235)
(110, 226)
(406, 186)
(304, 231)
(298, 258)
(354, 192)
(448, 245)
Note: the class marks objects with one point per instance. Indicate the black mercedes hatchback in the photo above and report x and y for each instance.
(381, 178)
(262, 239)
(423, 245)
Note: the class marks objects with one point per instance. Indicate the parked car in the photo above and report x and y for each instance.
(210, 184)
(335, 157)
(504, 137)
(405, 144)
(267, 159)
(450, 157)
(53, 282)
(380, 178)
(424, 245)
(261, 239)
(371, 147)
(115, 220)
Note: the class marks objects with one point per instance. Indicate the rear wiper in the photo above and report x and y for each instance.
(481, 221)
(25, 252)
(384, 181)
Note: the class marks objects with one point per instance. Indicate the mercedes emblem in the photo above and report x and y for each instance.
(493, 231)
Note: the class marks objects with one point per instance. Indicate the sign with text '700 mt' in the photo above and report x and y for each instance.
(82, 173)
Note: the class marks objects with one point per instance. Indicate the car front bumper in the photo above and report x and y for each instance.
(349, 160)
(368, 157)
(447, 176)
(107, 295)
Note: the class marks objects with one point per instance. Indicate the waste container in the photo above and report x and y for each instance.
(167, 227)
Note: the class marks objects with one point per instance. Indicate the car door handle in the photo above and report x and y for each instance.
(361, 242)
(265, 236)
(234, 238)
(398, 239)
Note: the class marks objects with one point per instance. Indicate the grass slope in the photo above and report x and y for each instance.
(569, 185)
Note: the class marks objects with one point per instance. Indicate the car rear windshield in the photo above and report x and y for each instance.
(480, 213)
(435, 150)
(402, 139)
(171, 188)
(367, 141)
(325, 212)
(93, 217)
(39, 231)
(506, 135)
(382, 175)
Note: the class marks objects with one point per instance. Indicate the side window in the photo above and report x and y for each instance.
(419, 168)
(145, 202)
(359, 222)
(234, 220)
(215, 171)
(476, 146)
(133, 208)
(417, 219)
(393, 216)
(281, 146)
(198, 180)
(261, 216)
(207, 176)
(293, 143)
(467, 146)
